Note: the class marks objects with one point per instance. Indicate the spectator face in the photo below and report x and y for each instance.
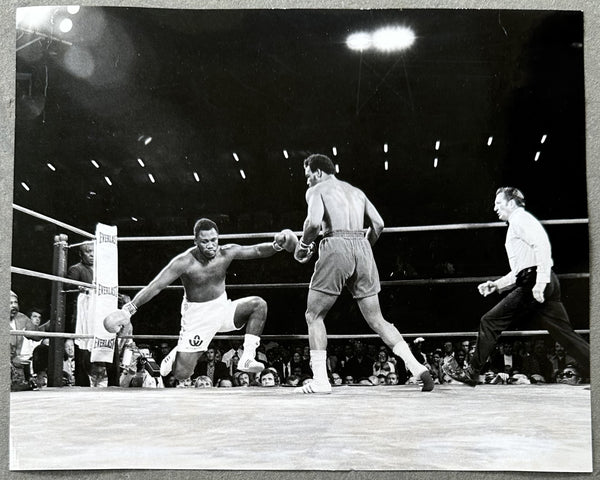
(297, 358)
(465, 345)
(69, 348)
(87, 254)
(202, 382)
(337, 380)
(448, 347)
(558, 349)
(164, 348)
(436, 357)
(569, 376)
(210, 355)
(460, 356)
(36, 318)
(267, 380)
(382, 356)
(391, 379)
(14, 306)
(348, 379)
(244, 379)
(539, 348)
(507, 349)
(297, 371)
(225, 383)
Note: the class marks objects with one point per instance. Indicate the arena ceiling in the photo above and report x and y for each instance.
(206, 84)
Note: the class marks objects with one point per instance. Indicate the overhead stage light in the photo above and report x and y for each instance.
(359, 41)
(73, 9)
(393, 39)
(65, 25)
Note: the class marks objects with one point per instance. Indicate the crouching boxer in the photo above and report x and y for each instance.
(205, 309)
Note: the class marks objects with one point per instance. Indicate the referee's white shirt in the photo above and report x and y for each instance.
(527, 245)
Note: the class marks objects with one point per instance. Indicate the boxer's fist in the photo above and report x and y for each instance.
(304, 252)
(285, 240)
(116, 320)
(487, 287)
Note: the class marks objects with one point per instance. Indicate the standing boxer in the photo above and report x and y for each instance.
(205, 309)
(534, 290)
(345, 259)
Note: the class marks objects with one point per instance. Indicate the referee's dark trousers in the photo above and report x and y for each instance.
(519, 306)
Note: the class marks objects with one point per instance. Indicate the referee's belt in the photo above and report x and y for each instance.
(525, 272)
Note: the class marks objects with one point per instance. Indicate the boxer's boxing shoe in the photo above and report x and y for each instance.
(427, 381)
(166, 366)
(250, 365)
(314, 387)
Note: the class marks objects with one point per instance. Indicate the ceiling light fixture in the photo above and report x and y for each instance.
(95, 163)
(141, 162)
(25, 186)
(151, 177)
(490, 139)
(359, 41)
(393, 39)
(108, 181)
(51, 167)
(235, 156)
(196, 177)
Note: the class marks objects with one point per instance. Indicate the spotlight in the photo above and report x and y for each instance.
(359, 41)
(65, 25)
(393, 39)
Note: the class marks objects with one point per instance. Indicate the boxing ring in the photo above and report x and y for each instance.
(542, 427)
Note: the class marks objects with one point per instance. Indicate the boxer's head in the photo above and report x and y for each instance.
(206, 237)
(317, 167)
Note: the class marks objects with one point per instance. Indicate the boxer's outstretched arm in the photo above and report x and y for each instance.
(174, 269)
(251, 252)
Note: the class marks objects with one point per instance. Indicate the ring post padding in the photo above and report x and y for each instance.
(57, 318)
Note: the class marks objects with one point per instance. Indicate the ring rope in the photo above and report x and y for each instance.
(522, 333)
(52, 220)
(417, 228)
(74, 245)
(384, 283)
(415, 281)
(46, 276)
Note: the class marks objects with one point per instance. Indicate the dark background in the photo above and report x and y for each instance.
(205, 84)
